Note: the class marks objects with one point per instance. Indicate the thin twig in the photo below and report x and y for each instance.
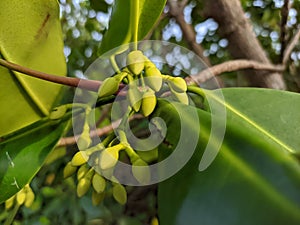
(231, 66)
(67, 141)
(70, 81)
(176, 10)
(290, 47)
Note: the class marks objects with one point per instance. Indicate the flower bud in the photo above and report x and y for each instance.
(153, 78)
(83, 186)
(78, 159)
(154, 221)
(134, 97)
(119, 194)
(148, 102)
(85, 183)
(82, 171)
(135, 62)
(109, 87)
(10, 202)
(29, 198)
(21, 196)
(109, 157)
(99, 183)
(178, 84)
(69, 170)
(84, 140)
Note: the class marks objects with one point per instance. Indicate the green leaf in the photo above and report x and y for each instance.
(272, 114)
(35, 42)
(121, 31)
(22, 156)
(251, 181)
(150, 11)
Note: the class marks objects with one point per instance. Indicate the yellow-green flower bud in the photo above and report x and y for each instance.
(153, 78)
(154, 221)
(178, 84)
(83, 187)
(134, 97)
(21, 196)
(85, 183)
(99, 183)
(84, 140)
(109, 87)
(79, 159)
(82, 171)
(10, 202)
(69, 170)
(135, 62)
(29, 198)
(109, 157)
(119, 194)
(148, 103)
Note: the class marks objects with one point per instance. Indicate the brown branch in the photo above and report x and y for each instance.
(70, 81)
(67, 141)
(176, 10)
(242, 41)
(284, 18)
(231, 66)
(290, 47)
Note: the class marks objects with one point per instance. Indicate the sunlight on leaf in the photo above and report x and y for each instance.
(36, 42)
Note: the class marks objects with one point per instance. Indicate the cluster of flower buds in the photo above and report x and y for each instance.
(89, 165)
(144, 81)
(24, 197)
(86, 177)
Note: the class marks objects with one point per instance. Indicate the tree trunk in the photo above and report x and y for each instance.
(243, 44)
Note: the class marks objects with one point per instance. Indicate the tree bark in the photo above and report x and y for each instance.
(243, 44)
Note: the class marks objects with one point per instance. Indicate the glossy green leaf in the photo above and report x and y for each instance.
(150, 11)
(22, 155)
(251, 181)
(35, 42)
(272, 114)
(121, 31)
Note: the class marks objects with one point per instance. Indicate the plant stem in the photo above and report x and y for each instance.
(91, 85)
(135, 23)
(196, 90)
(12, 215)
(114, 64)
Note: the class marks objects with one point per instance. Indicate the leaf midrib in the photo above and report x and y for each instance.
(251, 122)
